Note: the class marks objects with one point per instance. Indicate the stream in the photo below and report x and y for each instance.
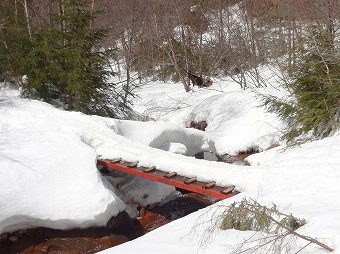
(119, 229)
(91, 240)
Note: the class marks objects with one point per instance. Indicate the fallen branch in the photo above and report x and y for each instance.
(250, 215)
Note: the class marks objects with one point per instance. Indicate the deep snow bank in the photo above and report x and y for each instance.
(48, 163)
(236, 122)
(48, 175)
(167, 136)
(302, 180)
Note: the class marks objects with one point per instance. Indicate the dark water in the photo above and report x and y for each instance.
(178, 208)
(91, 240)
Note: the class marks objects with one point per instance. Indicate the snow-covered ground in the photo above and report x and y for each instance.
(235, 120)
(49, 177)
(48, 163)
(303, 181)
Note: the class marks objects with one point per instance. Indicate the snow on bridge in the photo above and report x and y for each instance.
(171, 178)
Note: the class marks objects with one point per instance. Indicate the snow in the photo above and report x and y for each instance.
(48, 164)
(236, 122)
(166, 136)
(302, 181)
(49, 176)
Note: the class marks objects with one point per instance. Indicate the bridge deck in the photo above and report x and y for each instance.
(190, 184)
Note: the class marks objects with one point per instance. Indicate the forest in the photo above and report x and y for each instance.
(111, 111)
(69, 50)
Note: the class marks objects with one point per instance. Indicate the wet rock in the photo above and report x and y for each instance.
(238, 159)
(76, 245)
(13, 238)
(123, 224)
(207, 156)
(104, 170)
(3, 236)
(3, 239)
(227, 158)
(199, 125)
(178, 208)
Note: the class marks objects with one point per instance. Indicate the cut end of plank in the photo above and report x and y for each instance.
(190, 180)
(148, 170)
(171, 174)
(228, 190)
(133, 165)
(116, 160)
(210, 185)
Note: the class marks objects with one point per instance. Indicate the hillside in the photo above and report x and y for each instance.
(162, 83)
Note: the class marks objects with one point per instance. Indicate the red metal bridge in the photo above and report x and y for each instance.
(172, 178)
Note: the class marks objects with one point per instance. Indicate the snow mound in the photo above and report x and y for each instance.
(236, 121)
(48, 163)
(48, 175)
(166, 136)
(303, 181)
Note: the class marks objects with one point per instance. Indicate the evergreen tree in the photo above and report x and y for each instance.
(67, 62)
(14, 40)
(315, 88)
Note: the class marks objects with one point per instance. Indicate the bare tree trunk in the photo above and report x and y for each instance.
(255, 48)
(92, 8)
(201, 54)
(173, 56)
(173, 59)
(16, 10)
(184, 44)
(330, 22)
(49, 11)
(61, 13)
(27, 19)
(126, 49)
(291, 41)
